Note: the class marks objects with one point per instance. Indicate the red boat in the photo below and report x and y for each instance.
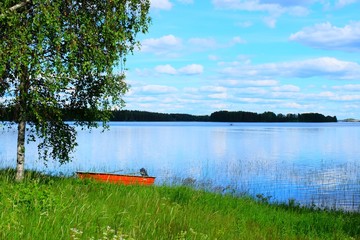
(117, 178)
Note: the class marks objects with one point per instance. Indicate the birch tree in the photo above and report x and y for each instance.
(58, 56)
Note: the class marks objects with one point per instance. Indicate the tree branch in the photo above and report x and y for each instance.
(20, 5)
(17, 6)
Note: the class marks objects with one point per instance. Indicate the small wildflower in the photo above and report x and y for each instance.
(75, 233)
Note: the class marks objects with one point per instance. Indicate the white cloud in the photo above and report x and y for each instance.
(262, 83)
(203, 43)
(293, 105)
(167, 69)
(218, 95)
(274, 8)
(346, 98)
(166, 4)
(211, 43)
(163, 45)
(259, 90)
(270, 21)
(219, 106)
(213, 57)
(238, 40)
(343, 3)
(147, 99)
(244, 24)
(348, 87)
(156, 89)
(327, 36)
(161, 4)
(253, 100)
(190, 90)
(286, 88)
(247, 5)
(192, 69)
(186, 1)
(331, 68)
(287, 3)
(171, 45)
(339, 97)
(213, 89)
(255, 83)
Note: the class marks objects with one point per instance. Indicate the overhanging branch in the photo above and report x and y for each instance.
(17, 6)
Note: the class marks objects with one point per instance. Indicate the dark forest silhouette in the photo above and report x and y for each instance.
(219, 116)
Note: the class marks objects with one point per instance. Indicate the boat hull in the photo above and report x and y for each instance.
(117, 178)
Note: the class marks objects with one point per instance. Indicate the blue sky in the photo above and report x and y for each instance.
(257, 55)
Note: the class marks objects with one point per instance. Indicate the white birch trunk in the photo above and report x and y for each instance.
(20, 161)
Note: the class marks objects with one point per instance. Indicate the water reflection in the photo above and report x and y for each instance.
(311, 163)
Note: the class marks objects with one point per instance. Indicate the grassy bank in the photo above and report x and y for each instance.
(46, 207)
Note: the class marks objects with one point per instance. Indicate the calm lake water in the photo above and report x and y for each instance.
(311, 163)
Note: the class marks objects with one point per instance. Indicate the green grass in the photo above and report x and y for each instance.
(44, 207)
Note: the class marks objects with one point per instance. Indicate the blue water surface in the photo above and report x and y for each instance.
(311, 163)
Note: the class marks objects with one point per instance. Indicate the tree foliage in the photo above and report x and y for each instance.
(61, 54)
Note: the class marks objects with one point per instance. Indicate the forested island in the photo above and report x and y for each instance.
(240, 116)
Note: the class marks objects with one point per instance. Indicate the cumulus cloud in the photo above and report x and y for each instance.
(263, 83)
(237, 40)
(339, 97)
(203, 42)
(288, 3)
(286, 88)
(270, 21)
(348, 87)
(343, 3)
(163, 45)
(293, 105)
(252, 91)
(171, 46)
(347, 97)
(212, 89)
(167, 69)
(192, 69)
(218, 95)
(186, 1)
(166, 4)
(161, 4)
(213, 57)
(156, 89)
(327, 36)
(247, 5)
(254, 83)
(211, 43)
(274, 8)
(331, 68)
(244, 24)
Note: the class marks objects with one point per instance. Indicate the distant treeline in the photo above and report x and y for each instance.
(219, 116)
(126, 115)
(240, 116)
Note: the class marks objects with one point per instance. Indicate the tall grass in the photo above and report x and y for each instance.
(44, 207)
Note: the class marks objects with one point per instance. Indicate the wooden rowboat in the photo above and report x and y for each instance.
(117, 178)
